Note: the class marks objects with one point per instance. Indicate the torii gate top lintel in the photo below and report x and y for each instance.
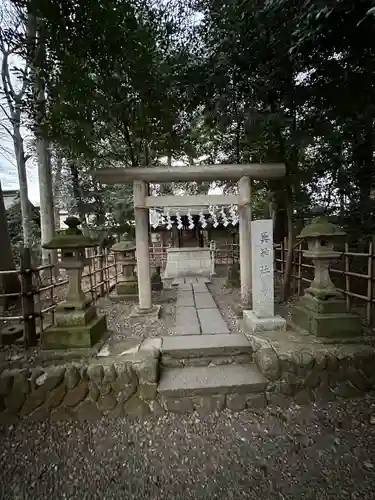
(197, 173)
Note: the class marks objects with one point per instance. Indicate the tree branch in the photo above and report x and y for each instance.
(5, 77)
(4, 110)
(6, 129)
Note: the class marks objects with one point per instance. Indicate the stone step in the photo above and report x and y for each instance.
(212, 380)
(204, 350)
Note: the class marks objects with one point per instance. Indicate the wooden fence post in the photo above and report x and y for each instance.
(27, 299)
(371, 282)
(347, 277)
(299, 273)
(101, 272)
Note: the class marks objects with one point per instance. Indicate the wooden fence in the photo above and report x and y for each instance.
(40, 292)
(224, 254)
(353, 273)
(33, 307)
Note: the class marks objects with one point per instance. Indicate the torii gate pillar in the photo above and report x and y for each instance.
(141, 215)
(245, 216)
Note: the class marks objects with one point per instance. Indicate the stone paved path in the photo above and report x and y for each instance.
(196, 310)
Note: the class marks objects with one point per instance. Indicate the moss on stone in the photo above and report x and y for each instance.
(320, 226)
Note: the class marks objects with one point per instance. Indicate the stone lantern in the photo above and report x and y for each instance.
(322, 309)
(127, 283)
(76, 321)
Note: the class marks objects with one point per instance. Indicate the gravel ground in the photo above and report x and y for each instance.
(119, 321)
(325, 452)
(226, 300)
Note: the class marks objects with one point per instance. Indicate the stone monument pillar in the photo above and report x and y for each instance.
(322, 309)
(262, 316)
(76, 323)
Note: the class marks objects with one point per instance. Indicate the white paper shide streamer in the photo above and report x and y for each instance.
(224, 217)
(212, 211)
(233, 215)
(190, 220)
(179, 221)
(169, 221)
(202, 220)
(154, 218)
(217, 215)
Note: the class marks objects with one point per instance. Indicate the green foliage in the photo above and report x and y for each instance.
(292, 82)
(129, 82)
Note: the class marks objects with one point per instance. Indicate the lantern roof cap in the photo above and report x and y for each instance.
(126, 244)
(71, 238)
(321, 226)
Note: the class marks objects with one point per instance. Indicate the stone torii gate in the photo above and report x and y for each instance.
(142, 176)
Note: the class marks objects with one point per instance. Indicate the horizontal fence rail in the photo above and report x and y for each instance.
(227, 253)
(42, 289)
(353, 274)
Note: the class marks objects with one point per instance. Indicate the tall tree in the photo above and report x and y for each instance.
(16, 45)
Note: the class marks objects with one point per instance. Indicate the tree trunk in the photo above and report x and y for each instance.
(15, 102)
(47, 223)
(9, 283)
(22, 179)
(363, 157)
(56, 192)
(285, 291)
(77, 192)
(47, 219)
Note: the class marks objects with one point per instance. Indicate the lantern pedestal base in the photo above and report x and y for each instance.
(74, 316)
(325, 318)
(124, 297)
(127, 288)
(73, 336)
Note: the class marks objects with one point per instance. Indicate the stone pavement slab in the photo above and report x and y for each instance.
(211, 321)
(187, 321)
(224, 379)
(191, 279)
(204, 301)
(203, 279)
(185, 287)
(190, 346)
(199, 288)
(178, 281)
(185, 298)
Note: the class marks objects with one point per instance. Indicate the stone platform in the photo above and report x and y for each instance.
(202, 372)
(188, 261)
